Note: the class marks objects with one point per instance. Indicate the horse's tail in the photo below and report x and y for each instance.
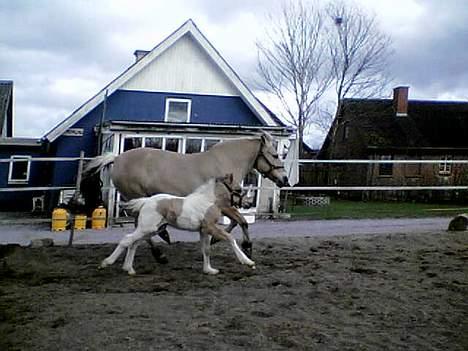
(135, 205)
(98, 163)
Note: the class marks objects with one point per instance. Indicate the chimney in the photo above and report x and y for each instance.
(139, 54)
(400, 101)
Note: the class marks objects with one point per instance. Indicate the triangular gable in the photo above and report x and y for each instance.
(184, 68)
(188, 27)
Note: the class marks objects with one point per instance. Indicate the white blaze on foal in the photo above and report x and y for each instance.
(199, 211)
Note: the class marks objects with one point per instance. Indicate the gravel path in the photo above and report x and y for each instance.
(23, 234)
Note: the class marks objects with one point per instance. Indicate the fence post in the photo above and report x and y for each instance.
(75, 198)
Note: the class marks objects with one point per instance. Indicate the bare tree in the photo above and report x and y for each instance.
(359, 52)
(292, 63)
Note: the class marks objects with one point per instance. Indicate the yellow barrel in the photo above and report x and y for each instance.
(59, 219)
(98, 219)
(80, 222)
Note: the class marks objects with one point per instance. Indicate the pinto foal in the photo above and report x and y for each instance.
(199, 211)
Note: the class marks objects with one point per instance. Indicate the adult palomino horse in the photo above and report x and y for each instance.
(144, 172)
(199, 211)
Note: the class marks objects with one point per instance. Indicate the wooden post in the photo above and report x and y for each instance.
(75, 198)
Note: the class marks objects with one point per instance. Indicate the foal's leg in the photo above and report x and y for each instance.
(236, 218)
(130, 257)
(221, 234)
(124, 244)
(205, 247)
(158, 255)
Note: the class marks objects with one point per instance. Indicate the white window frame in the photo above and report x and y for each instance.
(10, 170)
(381, 166)
(445, 169)
(144, 136)
(189, 109)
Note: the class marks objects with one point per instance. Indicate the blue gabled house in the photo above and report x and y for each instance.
(180, 96)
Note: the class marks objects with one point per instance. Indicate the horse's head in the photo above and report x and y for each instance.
(268, 162)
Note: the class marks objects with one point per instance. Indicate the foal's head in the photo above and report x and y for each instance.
(227, 192)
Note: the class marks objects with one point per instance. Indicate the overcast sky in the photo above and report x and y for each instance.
(60, 53)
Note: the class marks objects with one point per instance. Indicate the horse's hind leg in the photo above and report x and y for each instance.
(158, 255)
(205, 247)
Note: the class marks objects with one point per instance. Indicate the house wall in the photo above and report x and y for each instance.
(420, 175)
(39, 176)
(184, 67)
(130, 105)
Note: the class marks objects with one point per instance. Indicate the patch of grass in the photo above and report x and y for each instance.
(360, 210)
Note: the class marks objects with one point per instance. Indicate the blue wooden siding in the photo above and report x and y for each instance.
(39, 175)
(130, 105)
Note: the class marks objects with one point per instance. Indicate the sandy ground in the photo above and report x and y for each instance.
(373, 292)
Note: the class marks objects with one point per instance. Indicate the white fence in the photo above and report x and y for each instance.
(295, 188)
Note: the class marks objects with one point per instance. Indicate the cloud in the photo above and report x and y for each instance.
(60, 53)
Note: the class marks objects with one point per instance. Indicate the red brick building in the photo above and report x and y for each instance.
(399, 129)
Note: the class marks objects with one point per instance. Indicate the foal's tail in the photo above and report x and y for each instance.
(98, 163)
(135, 205)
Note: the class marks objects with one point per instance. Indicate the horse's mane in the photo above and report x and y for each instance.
(232, 141)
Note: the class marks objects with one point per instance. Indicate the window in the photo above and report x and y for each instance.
(386, 169)
(19, 169)
(209, 143)
(193, 146)
(154, 142)
(252, 179)
(173, 144)
(178, 110)
(445, 168)
(132, 143)
(345, 131)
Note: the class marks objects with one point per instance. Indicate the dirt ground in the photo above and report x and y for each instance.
(385, 292)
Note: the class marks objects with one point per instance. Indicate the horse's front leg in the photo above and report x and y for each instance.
(236, 218)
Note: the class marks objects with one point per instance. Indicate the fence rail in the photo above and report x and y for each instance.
(18, 187)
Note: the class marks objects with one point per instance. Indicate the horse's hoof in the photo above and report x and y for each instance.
(159, 256)
(164, 234)
(214, 240)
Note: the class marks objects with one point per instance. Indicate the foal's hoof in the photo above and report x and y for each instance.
(247, 248)
(159, 256)
(103, 265)
(211, 271)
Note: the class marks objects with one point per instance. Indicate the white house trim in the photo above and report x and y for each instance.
(188, 27)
